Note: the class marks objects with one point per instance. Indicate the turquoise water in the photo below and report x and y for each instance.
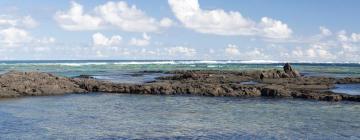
(124, 116)
(108, 68)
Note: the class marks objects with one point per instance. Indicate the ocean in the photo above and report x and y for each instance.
(126, 116)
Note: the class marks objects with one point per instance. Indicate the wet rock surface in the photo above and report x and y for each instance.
(287, 83)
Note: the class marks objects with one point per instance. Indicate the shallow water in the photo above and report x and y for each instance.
(352, 89)
(125, 116)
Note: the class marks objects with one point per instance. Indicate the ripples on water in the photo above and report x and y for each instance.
(116, 116)
(111, 116)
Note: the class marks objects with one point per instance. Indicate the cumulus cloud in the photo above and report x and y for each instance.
(14, 36)
(141, 42)
(344, 37)
(19, 22)
(14, 32)
(220, 22)
(274, 29)
(166, 22)
(6, 21)
(355, 37)
(232, 50)
(325, 31)
(118, 14)
(129, 18)
(181, 51)
(327, 47)
(319, 51)
(101, 40)
(74, 19)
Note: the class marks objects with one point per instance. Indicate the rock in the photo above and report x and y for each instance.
(288, 72)
(84, 76)
(274, 83)
(15, 84)
(291, 73)
(275, 91)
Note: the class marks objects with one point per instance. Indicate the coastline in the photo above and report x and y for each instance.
(269, 83)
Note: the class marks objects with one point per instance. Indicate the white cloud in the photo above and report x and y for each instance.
(111, 14)
(166, 22)
(274, 28)
(46, 40)
(181, 51)
(29, 22)
(344, 37)
(320, 51)
(220, 22)
(14, 36)
(325, 31)
(6, 21)
(213, 22)
(19, 22)
(74, 19)
(355, 37)
(141, 42)
(129, 18)
(101, 40)
(255, 54)
(232, 50)
(13, 32)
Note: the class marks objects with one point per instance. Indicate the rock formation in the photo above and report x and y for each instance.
(288, 72)
(15, 84)
(271, 83)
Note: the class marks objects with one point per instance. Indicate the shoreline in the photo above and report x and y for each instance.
(287, 83)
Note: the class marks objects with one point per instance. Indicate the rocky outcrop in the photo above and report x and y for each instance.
(15, 84)
(200, 83)
(288, 72)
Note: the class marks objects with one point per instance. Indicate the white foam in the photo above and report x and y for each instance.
(260, 62)
(144, 62)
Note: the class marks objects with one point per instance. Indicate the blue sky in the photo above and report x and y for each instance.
(279, 30)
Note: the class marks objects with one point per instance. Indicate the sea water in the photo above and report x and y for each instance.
(127, 116)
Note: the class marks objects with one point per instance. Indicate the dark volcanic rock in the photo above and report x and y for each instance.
(14, 84)
(290, 72)
(270, 83)
(85, 76)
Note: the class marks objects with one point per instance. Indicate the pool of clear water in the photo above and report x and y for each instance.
(352, 89)
(126, 116)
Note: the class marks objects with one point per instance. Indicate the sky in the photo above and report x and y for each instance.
(275, 30)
